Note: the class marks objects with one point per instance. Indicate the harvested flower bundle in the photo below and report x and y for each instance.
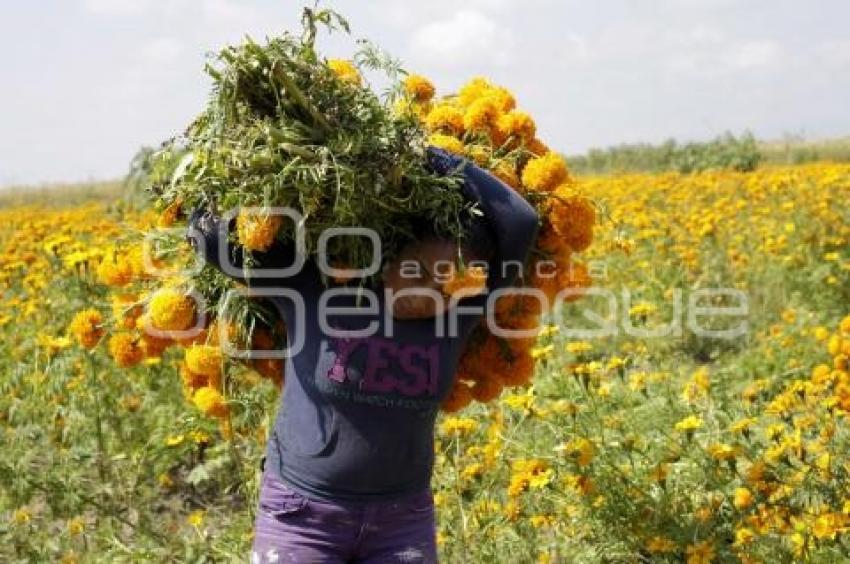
(286, 128)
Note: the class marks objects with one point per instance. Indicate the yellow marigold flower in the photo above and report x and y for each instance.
(722, 452)
(473, 90)
(256, 232)
(579, 347)
(87, 327)
(171, 310)
(821, 333)
(545, 173)
(196, 518)
(518, 124)
(503, 97)
(700, 553)
(419, 88)
(482, 114)
(22, 516)
(580, 449)
(660, 545)
(125, 349)
(472, 471)
(470, 282)
(445, 118)
(204, 360)
(834, 346)
(76, 526)
(742, 426)
(114, 270)
(165, 480)
(447, 142)
(345, 71)
(210, 402)
(689, 424)
(538, 521)
(826, 526)
(744, 536)
(458, 426)
(743, 498)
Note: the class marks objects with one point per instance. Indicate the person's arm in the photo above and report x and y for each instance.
(210, 237)
(512, 223)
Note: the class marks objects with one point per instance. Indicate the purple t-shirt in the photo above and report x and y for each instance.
(357, 412)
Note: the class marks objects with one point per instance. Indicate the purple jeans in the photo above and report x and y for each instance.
(293, 528)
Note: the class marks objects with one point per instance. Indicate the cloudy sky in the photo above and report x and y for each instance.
(86, 82)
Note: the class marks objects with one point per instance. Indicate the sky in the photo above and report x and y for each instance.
(85, 83)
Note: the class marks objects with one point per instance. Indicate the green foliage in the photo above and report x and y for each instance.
(726, 152)
(282, 129)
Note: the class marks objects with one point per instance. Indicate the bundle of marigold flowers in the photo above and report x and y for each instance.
(287, 128)
(482, 122)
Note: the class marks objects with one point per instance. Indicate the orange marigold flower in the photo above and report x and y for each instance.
(114, 270)
(87, 327)
(473, 90)
(204, 359)
(545, 173)
(419, 88)
(573, 217)
(125, 350)
(482, 114)
(445, 118)
(518, 124)
(256, 232)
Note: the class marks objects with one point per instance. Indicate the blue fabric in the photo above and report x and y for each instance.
(357, 414)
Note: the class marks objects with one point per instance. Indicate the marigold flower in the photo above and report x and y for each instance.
(689, 424)
(482, 114)
(125, 349)
(445, 118)
(345, 71)
(743, 498)
(114, 270)
(256, 232)
(210, 402)
(205, 360)
(545, 173)
(700, 553)
(518, 124)
(171, 310)
(473, 90)
(87, 327)
(419, 88)
(572, 218)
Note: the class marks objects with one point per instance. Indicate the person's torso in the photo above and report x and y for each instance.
(358, 408)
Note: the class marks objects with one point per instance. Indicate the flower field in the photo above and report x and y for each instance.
(647, 435)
